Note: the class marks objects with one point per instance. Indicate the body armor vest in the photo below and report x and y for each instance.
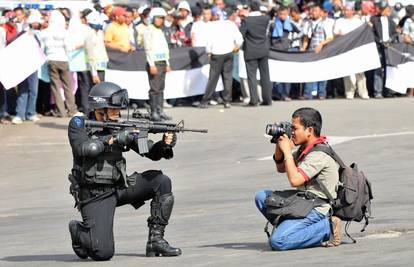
(108, 168)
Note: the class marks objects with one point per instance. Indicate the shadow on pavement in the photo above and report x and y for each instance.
(58, 257)
(261, 246)
(52, 257)
(130, 255)
(53, 125)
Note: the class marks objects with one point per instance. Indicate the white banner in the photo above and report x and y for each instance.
(20, 59)
(400, 78)
(178, 83)
(354, 61)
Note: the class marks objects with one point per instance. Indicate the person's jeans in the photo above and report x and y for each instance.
(3, 102)
(296, 233)
(315, 88)
(26, 100)
(378, 81)
(283, 90)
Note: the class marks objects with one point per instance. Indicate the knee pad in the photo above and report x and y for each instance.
(165, 185)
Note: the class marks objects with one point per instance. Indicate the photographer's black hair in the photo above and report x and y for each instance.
(309, 117)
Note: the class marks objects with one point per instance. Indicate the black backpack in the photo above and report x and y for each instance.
(353, 202)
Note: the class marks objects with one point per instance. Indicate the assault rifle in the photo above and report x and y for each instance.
(144, 127)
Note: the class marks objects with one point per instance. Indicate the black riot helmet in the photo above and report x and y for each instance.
(108, 95)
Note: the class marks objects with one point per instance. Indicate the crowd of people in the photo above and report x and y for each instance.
(223, 30)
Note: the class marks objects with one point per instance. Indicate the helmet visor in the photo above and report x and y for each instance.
(119, 99)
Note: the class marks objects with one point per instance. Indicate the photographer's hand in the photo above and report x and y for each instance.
(294, 176)
(285, 145)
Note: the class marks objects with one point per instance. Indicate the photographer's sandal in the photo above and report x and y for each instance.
(336, 236)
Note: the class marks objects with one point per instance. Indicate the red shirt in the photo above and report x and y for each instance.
(11, 32)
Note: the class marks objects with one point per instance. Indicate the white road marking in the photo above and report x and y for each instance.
(335, 140)
(388, 234)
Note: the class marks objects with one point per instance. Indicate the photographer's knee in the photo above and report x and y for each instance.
(278, 242)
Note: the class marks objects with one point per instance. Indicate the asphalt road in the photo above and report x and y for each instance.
(215, 177)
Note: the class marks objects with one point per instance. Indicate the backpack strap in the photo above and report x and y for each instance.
(325, 191)
(326, 148)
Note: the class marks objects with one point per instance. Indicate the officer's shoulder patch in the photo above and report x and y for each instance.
(78, 121)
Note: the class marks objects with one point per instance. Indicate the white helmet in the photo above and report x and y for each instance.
(184, 5)
(34, 17)
(105, 3)
(94, 18)
(158, 12)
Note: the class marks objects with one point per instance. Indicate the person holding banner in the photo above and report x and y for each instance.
(385, 32)
(317, 34)
(343, 26)
(158, 55)
(408, 36)
(4, 116)
(256, 53)
(28, 89)
(224, 39)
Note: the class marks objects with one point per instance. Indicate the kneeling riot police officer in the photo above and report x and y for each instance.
(99, 182)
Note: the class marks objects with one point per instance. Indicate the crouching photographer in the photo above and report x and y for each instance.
(302, 217)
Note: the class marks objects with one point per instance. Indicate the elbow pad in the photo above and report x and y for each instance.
(92, 148)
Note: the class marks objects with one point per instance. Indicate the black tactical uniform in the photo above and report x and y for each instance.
(99, 183)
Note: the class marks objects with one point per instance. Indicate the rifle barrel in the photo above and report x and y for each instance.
(153, 127)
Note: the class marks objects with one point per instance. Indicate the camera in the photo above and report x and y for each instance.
(276, 130)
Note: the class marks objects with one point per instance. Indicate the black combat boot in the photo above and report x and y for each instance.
(161, 112)
(76, 243)
(157, 245)
(154, 116)
(161, 208)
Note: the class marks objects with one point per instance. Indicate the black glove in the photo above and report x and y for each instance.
(105, 139)
(174, 140)
(124, 137)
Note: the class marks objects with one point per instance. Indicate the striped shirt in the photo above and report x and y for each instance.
(317, 31)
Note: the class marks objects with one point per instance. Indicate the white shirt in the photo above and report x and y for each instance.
(2, 37)
(345, 25)
(385, 30)
(255, 14)
(187, 21)
(328, 25)
(200, 31)
(365, 18)
(56, 43)
(131, 34)
(155, 45)
(223, 38)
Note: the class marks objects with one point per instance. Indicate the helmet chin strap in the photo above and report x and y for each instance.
(105, 117)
